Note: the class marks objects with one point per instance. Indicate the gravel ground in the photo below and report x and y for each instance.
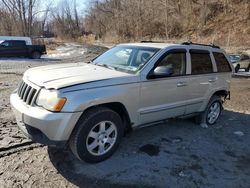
(177, 153)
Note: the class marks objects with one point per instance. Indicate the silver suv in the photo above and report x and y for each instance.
(90, 106)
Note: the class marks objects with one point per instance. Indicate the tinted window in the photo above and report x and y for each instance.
(18, 43)
(244, 57)
(5, 43)
(201, 63)
(175, 60)
(221, 62)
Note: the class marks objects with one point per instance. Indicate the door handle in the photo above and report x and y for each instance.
(212, 80)
(181, 84)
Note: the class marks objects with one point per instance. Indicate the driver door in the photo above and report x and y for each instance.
(5, 49)
(165, 97)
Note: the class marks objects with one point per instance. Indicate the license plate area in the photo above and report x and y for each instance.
(19, 117)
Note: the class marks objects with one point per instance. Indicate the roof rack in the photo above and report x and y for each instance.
(192, 43)
(150, 41)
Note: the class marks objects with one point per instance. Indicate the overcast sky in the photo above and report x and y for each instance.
(81, 4)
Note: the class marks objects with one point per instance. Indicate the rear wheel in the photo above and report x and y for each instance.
(36, 55)
(248, 68)
(97, 135)
(212, 112)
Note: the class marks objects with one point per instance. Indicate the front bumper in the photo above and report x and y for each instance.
(42, 125)
(39, 137)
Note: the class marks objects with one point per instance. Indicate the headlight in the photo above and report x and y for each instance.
(49, 100)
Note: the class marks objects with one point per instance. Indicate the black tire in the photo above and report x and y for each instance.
(248, 68)
(203, 117)
(78, 140)
(36, 55)
(237, 68)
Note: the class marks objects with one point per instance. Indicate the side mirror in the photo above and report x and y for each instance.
(161, 72)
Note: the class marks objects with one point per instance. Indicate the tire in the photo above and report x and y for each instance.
(36, 55)
(248, 68)
(212, 111)
(98, 130)
(237, 68)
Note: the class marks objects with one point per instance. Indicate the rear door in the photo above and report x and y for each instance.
(201, 80)
(18, 48)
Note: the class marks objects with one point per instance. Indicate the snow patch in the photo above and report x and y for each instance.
(68, 50)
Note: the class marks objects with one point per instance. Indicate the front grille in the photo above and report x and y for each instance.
(27, 93)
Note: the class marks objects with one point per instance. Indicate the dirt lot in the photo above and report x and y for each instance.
(177, 153)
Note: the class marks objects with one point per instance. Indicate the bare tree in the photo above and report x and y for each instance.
(66, 21)
(23, 10)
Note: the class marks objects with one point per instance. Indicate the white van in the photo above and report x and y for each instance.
(26, 39)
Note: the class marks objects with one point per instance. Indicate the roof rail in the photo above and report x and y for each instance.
(192, 43)
(150, 41)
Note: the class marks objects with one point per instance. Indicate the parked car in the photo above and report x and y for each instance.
(240, 61)
(91, 106)
(19, 48)
(27, 40)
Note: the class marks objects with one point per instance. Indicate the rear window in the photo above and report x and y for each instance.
(244, 57)
(201, 62)
(221, 62)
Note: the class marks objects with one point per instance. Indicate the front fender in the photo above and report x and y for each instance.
(81, 99)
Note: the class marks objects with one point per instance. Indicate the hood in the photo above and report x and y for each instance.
(63, 75)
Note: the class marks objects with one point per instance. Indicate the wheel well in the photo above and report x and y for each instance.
(222, 93)
(118, 108)
(35, 51)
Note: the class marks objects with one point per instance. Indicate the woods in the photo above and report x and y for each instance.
(35, 18)
(221, 21)
(170, 19)
(19, 16)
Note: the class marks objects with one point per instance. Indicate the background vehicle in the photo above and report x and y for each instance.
(240, 61)
(19, 48)
(90, 106)
(27, 40)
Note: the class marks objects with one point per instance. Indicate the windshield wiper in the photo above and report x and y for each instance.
(106, 66)
(90, 61)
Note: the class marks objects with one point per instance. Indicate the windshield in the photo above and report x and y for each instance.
(128, 59)
(234, 58)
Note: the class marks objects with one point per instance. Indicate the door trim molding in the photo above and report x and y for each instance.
(166, 107)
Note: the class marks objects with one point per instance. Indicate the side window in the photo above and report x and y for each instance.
(244, 57)
(5, 43)
(18, 43)
(176, 60)
(221, 62)
(201, 62)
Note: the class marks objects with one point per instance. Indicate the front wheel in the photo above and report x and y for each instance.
(237, 68)
(36, 55)
(97, 135)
